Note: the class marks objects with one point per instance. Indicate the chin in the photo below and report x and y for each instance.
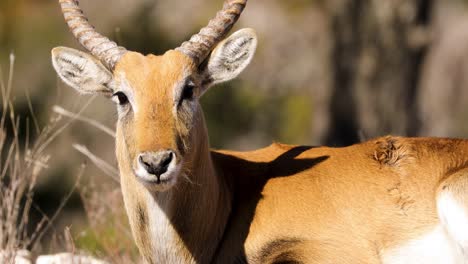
(162, 186)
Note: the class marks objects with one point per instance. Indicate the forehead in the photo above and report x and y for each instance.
(147, 74)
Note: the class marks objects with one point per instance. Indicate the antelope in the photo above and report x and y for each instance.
(389, 200)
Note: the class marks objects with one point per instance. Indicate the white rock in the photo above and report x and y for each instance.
(68, 258)
(20, 257)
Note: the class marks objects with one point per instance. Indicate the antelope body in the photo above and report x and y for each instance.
(390, 200)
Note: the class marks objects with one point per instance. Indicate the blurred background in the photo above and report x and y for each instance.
(330, 72)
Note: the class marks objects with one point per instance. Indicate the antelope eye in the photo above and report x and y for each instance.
(120, 98)
(187, 93)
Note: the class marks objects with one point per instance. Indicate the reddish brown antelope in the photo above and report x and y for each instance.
(389, 200)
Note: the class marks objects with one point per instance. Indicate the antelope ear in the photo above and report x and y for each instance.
(230, 57)
(81, 71)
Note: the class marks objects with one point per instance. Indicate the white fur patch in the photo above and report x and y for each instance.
(435, 247)
(163, 235)
(454, 218)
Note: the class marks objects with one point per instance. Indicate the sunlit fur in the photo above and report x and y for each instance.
(159, 124)
(373, 202)
(153, 82)
(386, 201)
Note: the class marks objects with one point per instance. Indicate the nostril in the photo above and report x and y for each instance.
(143, 162)
(157, 163)
(167, 160)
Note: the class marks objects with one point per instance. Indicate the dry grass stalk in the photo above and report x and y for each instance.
(104, 206)
(62, 111)
(21, 163)
(104, 166)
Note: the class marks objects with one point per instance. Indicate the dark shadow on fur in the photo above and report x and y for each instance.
(249, 179)
(246, 180)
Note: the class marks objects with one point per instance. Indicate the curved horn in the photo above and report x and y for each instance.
(101, 47)
(200, 45)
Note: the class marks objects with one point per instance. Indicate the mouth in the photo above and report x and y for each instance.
(160, 182)
(156, 180)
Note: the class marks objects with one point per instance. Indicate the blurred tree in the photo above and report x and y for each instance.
(377, 54)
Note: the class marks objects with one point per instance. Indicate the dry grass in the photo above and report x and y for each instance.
(21, 163)
(106, 215)
(108, 223)
(109, 234)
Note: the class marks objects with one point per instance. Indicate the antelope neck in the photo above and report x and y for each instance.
(196, 209)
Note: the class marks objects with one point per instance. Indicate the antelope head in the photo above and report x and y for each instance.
(160, 121)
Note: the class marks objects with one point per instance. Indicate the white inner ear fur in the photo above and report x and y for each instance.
(81, 71)
(231, 56)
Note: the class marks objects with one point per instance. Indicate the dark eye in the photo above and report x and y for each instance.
(120, 98)
(187, 93)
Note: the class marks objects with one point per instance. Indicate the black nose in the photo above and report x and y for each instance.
(156, 163)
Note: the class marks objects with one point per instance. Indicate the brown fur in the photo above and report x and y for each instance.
(280, 204)
(153, 80)
(346, 198)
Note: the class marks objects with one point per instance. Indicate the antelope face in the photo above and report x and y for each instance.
(157, 99)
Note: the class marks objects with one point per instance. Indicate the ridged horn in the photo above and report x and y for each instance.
(200, 45)
(107, 51)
